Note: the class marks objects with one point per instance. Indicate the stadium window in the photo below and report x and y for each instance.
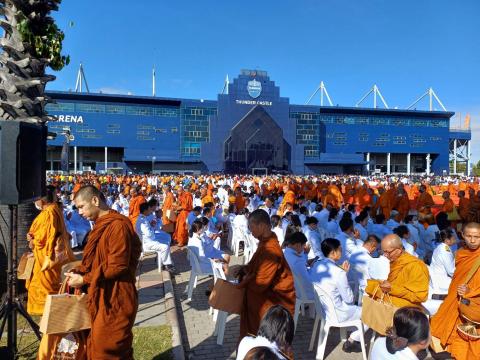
(113, 126)
(90, 107)
(174, 130)
(114, 109)
(160, 131)
(60, 106)
(363, 137)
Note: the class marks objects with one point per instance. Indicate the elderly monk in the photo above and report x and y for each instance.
(134, 208)
(408, 280)
(167, 205)
(288, 198)
(267, 279)
(50, 243)
(108, 268)
(444, 323)
(185, 201)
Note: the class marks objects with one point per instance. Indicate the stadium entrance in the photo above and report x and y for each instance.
(256, 141)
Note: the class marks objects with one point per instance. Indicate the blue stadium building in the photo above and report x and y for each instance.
(250, 128)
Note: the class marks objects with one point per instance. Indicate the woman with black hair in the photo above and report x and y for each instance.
(204, 252)
(275, 332)
(409, 335)
(442, 266)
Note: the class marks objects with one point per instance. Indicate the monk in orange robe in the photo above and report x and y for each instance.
(168, 201)
(448, 204)
(288, 198)
(185, 203)
(402, 204)
(239, 199)
(424, 201)
(206, 196)
(408, 280)
(50, 242)
(135, 202)
(463, 205)
(108, 268)
(267, 279)
(383, 204)
(444, 322)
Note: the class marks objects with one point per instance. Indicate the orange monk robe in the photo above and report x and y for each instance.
(108, 267)
(444, 322)
(207, 199)
(409, 278)
(333, 189)
(463, 207)
(47, 230)
(272, 285)
(77, 187)
(134, 208)
(167, 205)
(288, 198)
(448, 205)
(364, 200)
(402, 204)
(239, 202)
(180, 235)
(383, 203)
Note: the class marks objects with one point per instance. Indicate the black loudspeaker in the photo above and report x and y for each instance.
(23, 157)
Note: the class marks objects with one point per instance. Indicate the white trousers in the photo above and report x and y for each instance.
(161, 245)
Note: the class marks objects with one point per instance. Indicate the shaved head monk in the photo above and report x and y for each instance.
(267, 279)
(408, 280)
(444, 323)
(108, 268)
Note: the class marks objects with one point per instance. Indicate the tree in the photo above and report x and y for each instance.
(31, 42)
(476, 169)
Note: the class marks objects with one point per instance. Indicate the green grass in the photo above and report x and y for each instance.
(152, 343)
(149, 343)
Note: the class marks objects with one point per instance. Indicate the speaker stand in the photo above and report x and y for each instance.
(12, 304)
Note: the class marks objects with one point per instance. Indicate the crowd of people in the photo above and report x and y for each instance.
(334, 238)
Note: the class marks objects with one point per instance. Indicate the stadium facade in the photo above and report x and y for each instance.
(250, 128)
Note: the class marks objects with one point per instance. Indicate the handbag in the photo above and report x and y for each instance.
(469, 308)
(25, 266)
(377, 314)
(227, 297)
(171, 215)
(70, 346)
(65, 313)
(453, 215)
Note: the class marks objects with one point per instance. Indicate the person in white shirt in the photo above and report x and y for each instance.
(392, 223)
(404, 234)
(297, 260)
(315, 236)
(360, 262)
(203, 249)
(268, 206)
(412, 225)
(193, 215)
(361, 222)
(349, 238)
(379, 228)
(322, 215)
(277, 228)
(332, 225)
(409, 335)
(152, 241)
(275, 332)
(332, 279)
(442, 266)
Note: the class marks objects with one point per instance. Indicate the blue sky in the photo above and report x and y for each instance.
(402, 46)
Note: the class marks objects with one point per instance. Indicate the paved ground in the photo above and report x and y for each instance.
(151, 295)
(197, 325)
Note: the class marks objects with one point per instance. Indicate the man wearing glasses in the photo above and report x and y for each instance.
(407, 282)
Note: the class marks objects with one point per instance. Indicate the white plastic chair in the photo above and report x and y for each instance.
(219, 316)
(195, 272)
(301, 300)
(237, 238)
(322, 301)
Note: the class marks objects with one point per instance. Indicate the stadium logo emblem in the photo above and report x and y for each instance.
(254, 88)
